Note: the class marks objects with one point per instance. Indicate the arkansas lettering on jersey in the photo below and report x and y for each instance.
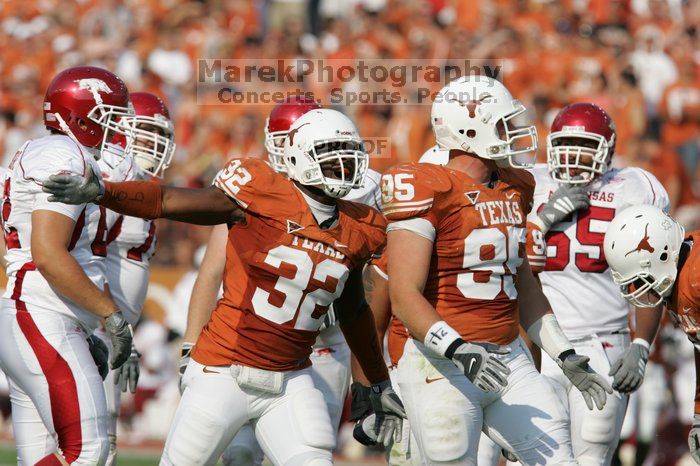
(33, 163)
(684, 305)
(282, 270)
(479, 242)
(576, 278)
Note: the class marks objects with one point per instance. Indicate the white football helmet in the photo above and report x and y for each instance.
(435, 156)
(641, 247)
(475, 114)
(323, 149)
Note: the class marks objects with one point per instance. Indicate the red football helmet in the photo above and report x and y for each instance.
(88, 104)
(581, 143)
(153, 140)
(277, 126)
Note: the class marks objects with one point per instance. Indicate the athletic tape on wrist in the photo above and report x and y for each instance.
(440, 336)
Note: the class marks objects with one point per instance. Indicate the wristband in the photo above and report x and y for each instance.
(440, 337)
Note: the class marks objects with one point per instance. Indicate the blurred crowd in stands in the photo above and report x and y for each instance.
(638, 59)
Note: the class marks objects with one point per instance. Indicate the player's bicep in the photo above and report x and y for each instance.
(208, 206)
(51, 232)
(408, 261)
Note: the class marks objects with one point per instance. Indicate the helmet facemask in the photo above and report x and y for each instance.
(274, 145)
(577, 157)
(152, 143)
(643, 289)
(517, 140)
(338, 165)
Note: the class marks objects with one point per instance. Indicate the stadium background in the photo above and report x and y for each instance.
(639, 59)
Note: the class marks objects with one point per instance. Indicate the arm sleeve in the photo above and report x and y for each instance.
(408, 194)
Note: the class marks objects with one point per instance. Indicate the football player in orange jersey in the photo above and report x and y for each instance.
(330, 358)
(460, 282)
(295, 249)
(655, 262)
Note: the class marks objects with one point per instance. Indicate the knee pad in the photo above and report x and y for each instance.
(444, 435)
(602, 426)
(312, 419)
(194, 439)
(311, 458)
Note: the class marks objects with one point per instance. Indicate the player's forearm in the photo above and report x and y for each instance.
(361, 336)
(66, 276)
(149, 200)
(647, 323)
(377, 296)
(411, 308)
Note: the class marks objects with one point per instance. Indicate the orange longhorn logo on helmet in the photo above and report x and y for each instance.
(644, 244)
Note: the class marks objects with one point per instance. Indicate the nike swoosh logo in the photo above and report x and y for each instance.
(510, 195)
(206, 369)
(471, 364)
(429, 380)
(340, 245)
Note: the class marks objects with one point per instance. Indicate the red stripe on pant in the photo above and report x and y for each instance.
(63, 391)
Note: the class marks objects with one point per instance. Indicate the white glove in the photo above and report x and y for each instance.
(389, 413)
(694, 439)
(592, 386)
(121, 335)
(185, 356)
(129, 372)
(564, 201)
(72, 189)
(477, 362)
(628, 370)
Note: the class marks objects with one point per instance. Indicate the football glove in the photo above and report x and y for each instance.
(628, 370)
(128, 373)
(477, 362)
(121, 335)
(100, 354)
(184, 361)
(564, 201)
(389, 413)
(592, 386)
(694, 439)
(71, 189)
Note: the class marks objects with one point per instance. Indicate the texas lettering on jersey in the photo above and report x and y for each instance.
(282, 270)
(479, 242)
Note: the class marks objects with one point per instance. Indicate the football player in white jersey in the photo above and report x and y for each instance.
(331, 355)
(577, 194)
(54, 298)
(130, 241)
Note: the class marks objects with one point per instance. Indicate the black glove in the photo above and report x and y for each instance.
(100, 354)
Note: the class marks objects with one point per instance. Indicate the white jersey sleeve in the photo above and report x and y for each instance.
(33, 164)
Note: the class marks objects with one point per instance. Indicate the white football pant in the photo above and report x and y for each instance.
(646, 405)
(113, 395)
(594, 434)
(447, 412)
(293, 427)
(330, 372)
(55, 389)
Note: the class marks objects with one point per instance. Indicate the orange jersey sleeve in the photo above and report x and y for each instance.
(409, 191)
(536, 248)
(249, 182)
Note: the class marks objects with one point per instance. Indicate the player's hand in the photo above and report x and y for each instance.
(185, 356)
(128, 373)
(592, 386)
(564, 201)
(100, 354)
(628, 370)
(694, 439)
(389, 413)
(477, 361)
(121, 335)
(72, 189)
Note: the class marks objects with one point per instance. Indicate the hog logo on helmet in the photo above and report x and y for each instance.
(95, 86)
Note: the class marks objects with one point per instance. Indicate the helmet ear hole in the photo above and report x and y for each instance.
(293, 160)
(471, 133)
(663, 256)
